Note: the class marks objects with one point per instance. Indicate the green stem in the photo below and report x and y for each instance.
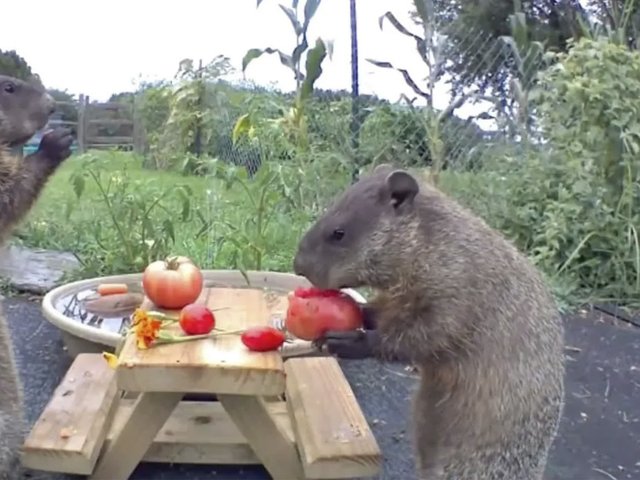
(187, 338)
(112, 215)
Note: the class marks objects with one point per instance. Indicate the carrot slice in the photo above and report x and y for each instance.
(112, 288)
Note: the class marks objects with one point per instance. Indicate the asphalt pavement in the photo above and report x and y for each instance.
(599, 436)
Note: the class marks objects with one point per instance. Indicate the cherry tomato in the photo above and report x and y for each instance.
(262, 339)
(312, 312)
(196, 319)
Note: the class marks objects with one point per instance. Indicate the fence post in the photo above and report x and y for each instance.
(355, 94)
(82, 103)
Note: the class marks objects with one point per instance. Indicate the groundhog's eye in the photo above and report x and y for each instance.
(9, 87)
(337, 234)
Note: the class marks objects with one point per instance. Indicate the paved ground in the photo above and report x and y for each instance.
(599, 436)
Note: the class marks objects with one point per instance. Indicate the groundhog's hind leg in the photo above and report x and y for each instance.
(523, 457)
(11, 415)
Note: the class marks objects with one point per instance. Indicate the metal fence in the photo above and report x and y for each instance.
(472, 103)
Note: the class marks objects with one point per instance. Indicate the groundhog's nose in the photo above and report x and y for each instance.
(298, 266)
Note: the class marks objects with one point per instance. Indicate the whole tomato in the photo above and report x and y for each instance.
(196, 319)
(172, 283)
(262, 339)
(312, 312)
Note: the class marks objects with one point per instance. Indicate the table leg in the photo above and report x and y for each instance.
(275, 451)
(149, 414)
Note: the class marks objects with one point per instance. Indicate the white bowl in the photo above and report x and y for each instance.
(82, 338)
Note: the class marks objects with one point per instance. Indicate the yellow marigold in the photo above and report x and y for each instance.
(145, 328)
(138, 316)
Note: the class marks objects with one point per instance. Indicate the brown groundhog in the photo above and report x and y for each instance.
(25, 108)
(460, 302)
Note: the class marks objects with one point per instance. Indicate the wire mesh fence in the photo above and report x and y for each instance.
(463, 98)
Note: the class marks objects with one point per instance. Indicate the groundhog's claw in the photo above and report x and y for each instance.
(351, 344)
(55, 145)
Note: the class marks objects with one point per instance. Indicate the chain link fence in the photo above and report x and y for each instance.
(438, 119)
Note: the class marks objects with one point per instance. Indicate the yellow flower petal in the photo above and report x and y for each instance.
(111, 359)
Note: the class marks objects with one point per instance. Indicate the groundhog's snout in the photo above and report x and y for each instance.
(51, 104)
(298, 265)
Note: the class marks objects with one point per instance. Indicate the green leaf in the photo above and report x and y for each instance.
(407, 78)
(310, 9)
(167, 225)
(254, 53)
(313, 68)
(78, 184)
(297, 53)
(293, 19)
(425, 10)
(421, 44)
(242, 126)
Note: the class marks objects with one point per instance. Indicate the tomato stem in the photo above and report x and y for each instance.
(172, 263)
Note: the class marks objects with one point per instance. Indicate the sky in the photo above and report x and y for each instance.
(99, 47)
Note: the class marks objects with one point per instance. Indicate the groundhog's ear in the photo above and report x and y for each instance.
(382, 167)
(402, 188)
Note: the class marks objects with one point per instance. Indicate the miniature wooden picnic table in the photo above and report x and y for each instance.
(296, 416)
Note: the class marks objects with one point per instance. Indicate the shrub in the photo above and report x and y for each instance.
(572, 203)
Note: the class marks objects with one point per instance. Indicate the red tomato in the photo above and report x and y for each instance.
(312, 312)
(302, 292)
(262, 339)
(196, 319)
(172, 283)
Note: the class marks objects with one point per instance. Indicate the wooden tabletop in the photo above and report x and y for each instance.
(214, 365)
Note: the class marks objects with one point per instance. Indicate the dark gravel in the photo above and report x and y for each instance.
(599, 436)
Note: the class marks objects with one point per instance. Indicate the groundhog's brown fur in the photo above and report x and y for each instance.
(24, 109)
(458, 300)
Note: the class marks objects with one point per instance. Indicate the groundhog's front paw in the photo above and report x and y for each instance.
(55, 145)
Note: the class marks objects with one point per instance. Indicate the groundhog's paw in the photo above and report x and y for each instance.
(55, 145)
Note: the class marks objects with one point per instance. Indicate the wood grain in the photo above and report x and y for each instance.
(221, 365)
(149, 413)
(69, 433)
(202, 433)
(332, 433)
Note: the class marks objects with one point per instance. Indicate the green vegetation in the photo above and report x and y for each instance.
(234, 174)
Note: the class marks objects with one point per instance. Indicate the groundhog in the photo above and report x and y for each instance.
(25, 108)
(459, 301)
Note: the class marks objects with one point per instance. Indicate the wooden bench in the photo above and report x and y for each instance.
(296, 416)
(69, 433)
(332, 434)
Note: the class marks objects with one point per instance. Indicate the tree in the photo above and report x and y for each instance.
(474, 54)
(14, 65)
(68, 109)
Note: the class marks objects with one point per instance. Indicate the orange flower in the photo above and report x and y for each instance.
(146, 328)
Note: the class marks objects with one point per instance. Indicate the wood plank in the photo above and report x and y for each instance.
(221, 365)
(332, 433)
(109, 140)
(202, 433)
(128, 446)
(111, 121)
(70, 432)
(275, 449)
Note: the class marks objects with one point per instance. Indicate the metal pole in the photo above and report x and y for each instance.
(355, 94)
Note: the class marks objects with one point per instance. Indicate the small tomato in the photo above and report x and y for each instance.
(196, 319)
(312, 312)
(172, 283)
(262, 339)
